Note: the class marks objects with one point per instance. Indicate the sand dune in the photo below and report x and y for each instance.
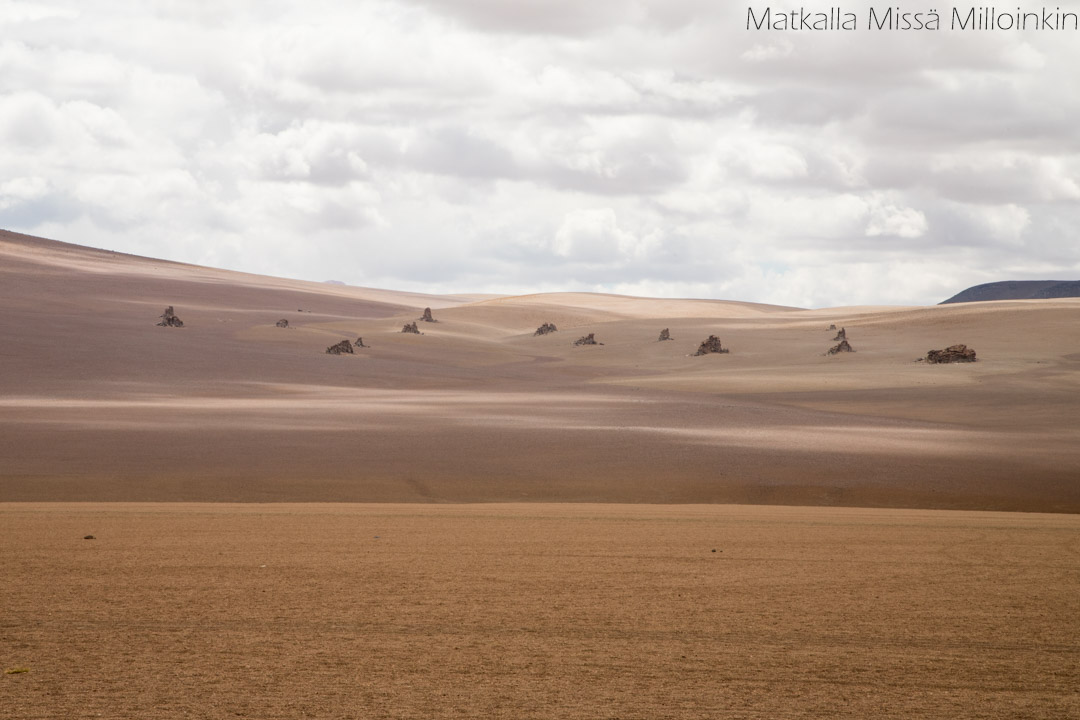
(96, 403)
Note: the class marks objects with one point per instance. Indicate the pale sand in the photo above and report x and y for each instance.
(96, 403)
(537, 611)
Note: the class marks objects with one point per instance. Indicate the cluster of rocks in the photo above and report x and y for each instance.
(843, 346)
(345, 347)
(169, 319)
(545, 329)
(709, 345)
(951, 354)
(342, 348)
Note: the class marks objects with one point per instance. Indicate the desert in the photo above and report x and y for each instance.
(537, 611)
(100, 403)
(476, 519)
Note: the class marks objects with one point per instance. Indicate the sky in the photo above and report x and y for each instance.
(642, 147)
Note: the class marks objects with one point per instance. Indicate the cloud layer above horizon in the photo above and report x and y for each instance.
(646, 147)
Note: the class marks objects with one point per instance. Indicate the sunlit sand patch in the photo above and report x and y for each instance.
(839, 439)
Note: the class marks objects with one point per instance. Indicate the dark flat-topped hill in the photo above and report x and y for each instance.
(1018, 290)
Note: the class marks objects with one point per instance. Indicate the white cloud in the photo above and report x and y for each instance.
(781, 48)
(773, 161)
(999, 223)
(892, 220)
(22, 189)
(594, 235)
(19, 11)
(453, 145)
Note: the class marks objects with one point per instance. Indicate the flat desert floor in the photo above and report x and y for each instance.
(537, 611)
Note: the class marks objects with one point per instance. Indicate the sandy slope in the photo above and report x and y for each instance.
(96, 403)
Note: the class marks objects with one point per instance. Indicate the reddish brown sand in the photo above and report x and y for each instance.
(537, 611)
(99, 404)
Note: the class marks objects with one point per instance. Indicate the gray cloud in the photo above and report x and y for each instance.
(566, 17)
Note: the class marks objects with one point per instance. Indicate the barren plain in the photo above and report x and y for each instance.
(537, 611)
(480, 522)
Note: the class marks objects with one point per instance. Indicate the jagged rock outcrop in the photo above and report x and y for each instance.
(842, 335)
(844, 346)
(664, 335)
(951, 354)
(360, 343)
(426, 317)
(343, 347)
(283, 323)
(545, 329)
(709, 345)
(589, 339)
(169, 319)
(411, 328)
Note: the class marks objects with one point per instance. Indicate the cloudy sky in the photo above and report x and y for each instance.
(647, 147)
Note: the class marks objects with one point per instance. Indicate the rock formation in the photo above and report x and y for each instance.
(360, 343)
(342, 347)
(664, 335)
(426, 317)
(169, 319)
(842, 347)
(586, 340)
(283, 323)
(545, 329)
(842, 335)
(410, 328)
(951, 354)
(831, 327)
(710, 345)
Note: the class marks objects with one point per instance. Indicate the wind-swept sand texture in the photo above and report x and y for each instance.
(537, 611)
(98, 404)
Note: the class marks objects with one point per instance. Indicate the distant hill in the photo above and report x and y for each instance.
(1018, 290)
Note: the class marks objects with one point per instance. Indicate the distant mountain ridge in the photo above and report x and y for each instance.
(1017, 290)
